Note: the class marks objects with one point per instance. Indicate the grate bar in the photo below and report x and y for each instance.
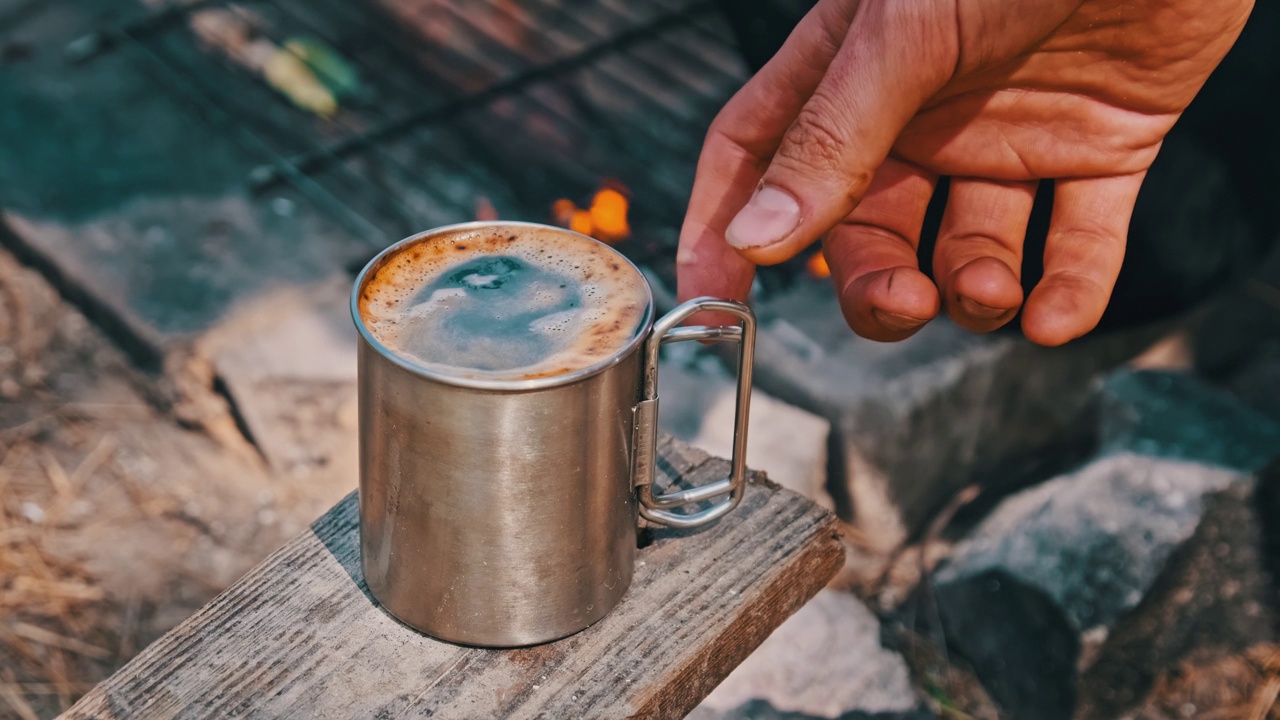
(404, 58)
(608, 81)
(668, 47)
(621, 80)
(308, 161)
(568, 16)
(638, 153)
(407, 214)
(87, 47)
(569, 170)
(312, 190)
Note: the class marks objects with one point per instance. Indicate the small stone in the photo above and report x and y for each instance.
(282, 206)
(79, 509)
(73, 326)
(33, 375)
(348, 415)
(32, 512)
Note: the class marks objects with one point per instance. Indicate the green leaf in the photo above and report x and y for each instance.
(330, 68)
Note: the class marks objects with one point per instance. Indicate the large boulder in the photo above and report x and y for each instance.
(1033, 590)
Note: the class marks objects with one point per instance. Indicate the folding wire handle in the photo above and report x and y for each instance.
(645, 430)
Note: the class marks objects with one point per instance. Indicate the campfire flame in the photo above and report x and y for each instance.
(605, 219)
(817, 266)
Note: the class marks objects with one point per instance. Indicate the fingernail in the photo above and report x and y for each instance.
(978, 310)
(894, 320)
(769, 217)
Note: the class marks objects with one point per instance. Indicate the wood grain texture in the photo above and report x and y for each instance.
(299, 636)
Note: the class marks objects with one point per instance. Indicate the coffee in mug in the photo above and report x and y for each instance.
(515, 305)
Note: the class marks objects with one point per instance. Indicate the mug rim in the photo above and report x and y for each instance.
(550, 381)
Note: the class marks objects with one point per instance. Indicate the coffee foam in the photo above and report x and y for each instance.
(504, 302)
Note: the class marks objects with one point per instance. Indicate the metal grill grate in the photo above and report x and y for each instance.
(518, 103)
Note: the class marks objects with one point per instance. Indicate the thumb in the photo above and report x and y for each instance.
(895, 56)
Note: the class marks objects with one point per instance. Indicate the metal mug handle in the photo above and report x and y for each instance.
(645, 430)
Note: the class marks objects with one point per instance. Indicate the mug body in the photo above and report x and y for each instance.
(497, 514)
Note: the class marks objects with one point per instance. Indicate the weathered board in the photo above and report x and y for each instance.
(299, 636)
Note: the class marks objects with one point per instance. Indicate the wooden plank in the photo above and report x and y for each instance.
(299, 636)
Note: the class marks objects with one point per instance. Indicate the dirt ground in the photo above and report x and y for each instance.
(120, 513)
(128, 500)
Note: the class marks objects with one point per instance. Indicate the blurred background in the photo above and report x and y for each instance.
(187, 189)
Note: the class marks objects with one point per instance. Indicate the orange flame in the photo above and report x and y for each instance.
(817, 265)
(605, 220)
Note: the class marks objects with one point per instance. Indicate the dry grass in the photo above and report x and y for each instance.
(1215, 686)
(51, 609)
(54, 641)
(115, 522)
(60, 632)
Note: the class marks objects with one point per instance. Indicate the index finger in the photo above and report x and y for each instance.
(739, 146)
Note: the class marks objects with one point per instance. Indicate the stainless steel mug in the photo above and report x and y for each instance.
(503, 513)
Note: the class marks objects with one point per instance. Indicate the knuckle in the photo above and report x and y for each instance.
(955, 249)
(731, 138)
(1077, 280)
(816, 139)
(721, 125)
(1095, 235)
(817, 144)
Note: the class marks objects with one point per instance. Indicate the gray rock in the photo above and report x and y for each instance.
(1092, 541)
(934, 413)
(825, 661)
(1217, 593)
(1015, 639)
(1175, 415)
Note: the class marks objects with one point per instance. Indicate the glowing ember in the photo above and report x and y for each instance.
(485, 209)
(605, 220)
(581, 222)
(817, 265)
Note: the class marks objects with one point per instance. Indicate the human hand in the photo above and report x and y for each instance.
(846, 131)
